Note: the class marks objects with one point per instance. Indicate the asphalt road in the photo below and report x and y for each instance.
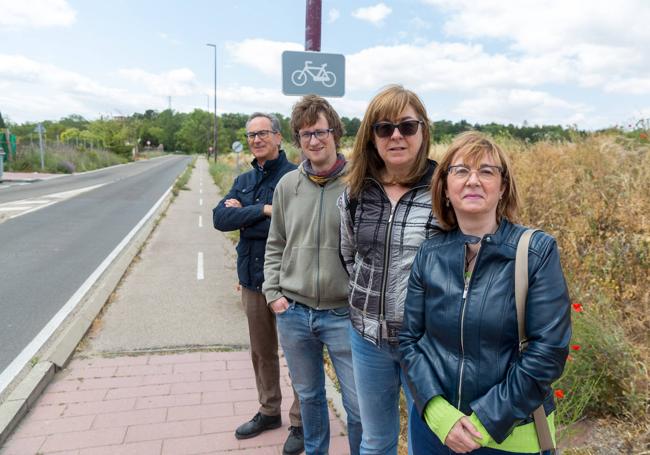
(46, 255)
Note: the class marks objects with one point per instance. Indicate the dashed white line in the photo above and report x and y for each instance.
(200, 221)
(201, 201)
(199, 266)
(200, 191)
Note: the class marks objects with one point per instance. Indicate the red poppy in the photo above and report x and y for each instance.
(643, 136)
(575, 347)
(577, 307)
(559, 393)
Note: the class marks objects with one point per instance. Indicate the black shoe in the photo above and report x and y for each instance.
(256, 425)
(295, 443)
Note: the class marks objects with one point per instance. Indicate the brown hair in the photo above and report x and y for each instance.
(388, 104)
(306, 111)
(473, 146)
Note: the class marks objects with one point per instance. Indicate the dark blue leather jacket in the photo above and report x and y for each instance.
(467, 350)
(253, 189)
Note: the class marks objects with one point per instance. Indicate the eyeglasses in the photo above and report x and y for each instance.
(262, 134)
(406, 128)
(485, 173)
(321, 135)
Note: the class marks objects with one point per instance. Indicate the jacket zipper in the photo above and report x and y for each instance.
(320, 213)
(462, 325)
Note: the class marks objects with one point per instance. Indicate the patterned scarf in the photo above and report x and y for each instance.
(321, 178)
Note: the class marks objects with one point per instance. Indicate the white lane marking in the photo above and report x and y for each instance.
(31, 205)
(200, 191)
(199, 266)
(200, 221)
(200, 201)
(16, 365)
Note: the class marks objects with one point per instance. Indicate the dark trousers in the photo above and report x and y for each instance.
(264, 354)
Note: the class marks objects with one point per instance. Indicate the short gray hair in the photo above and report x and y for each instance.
(275, 123)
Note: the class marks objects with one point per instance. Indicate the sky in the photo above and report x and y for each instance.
(566, 62)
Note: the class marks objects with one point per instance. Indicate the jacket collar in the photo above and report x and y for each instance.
(269, 165)
(496, 238)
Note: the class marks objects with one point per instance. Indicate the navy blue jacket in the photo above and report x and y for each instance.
(253, 190)
(467, 350)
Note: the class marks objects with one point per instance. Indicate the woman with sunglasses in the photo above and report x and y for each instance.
(385, 215)
(474, 391)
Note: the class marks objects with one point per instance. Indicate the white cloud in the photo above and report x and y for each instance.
(36, 13)
(632, 85)
(42, 90)
(543, 26)
(535, 107)
(333, 15)
(373, 14)
(177, 82)
(449, 66)
(260, 54)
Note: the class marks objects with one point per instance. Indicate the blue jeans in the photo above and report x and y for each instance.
(379, 376)
(303, 331)
(425, 442)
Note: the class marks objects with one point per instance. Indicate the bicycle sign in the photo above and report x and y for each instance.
(317, 74)
(313, 72)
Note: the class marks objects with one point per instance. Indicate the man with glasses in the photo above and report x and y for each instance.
(247, 208)
(306, 285)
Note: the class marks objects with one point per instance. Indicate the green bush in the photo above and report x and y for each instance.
(600, 373)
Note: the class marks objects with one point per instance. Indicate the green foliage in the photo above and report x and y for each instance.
(2, 122)
(181, 182)
(62, 159)
(222, 174)
(194, 135)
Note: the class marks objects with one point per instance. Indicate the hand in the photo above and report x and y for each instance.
(268, 209)
(280, 305)
(461, 437)
(232, 203)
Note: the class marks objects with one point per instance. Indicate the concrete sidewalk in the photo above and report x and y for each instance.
(165, 369)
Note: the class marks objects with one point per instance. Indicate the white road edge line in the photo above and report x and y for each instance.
(199, 266)
(8, 375)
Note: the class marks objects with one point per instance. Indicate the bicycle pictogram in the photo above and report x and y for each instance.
(317, 73)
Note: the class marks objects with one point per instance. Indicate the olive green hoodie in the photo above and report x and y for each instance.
(302, 259)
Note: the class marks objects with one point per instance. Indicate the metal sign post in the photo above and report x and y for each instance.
(40, 130)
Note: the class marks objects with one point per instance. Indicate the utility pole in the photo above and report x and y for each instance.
(313, 25)
(214, 142)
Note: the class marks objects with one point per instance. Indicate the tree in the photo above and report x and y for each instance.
(2, 122)
(193, 134)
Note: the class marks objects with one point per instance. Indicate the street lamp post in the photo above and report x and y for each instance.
(214, 142)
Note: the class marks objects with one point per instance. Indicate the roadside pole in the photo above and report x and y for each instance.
(313, 25)
(2, 163)
(40, 130)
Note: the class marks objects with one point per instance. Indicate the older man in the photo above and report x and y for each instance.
(306, 285)
(247, 208)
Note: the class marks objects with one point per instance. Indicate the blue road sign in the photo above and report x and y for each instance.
(313, 72)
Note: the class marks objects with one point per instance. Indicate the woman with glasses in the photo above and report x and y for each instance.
(385, 215)
(473, 389)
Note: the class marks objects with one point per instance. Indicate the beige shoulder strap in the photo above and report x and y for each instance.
(521, 292)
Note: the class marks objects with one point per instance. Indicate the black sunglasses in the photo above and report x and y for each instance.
(406, 128)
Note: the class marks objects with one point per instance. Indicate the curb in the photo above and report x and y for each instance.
(21, 399)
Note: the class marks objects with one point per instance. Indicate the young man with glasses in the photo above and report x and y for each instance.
(306, 284)
(247, 208)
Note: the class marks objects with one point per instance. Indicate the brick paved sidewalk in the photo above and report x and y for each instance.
(172, 404)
